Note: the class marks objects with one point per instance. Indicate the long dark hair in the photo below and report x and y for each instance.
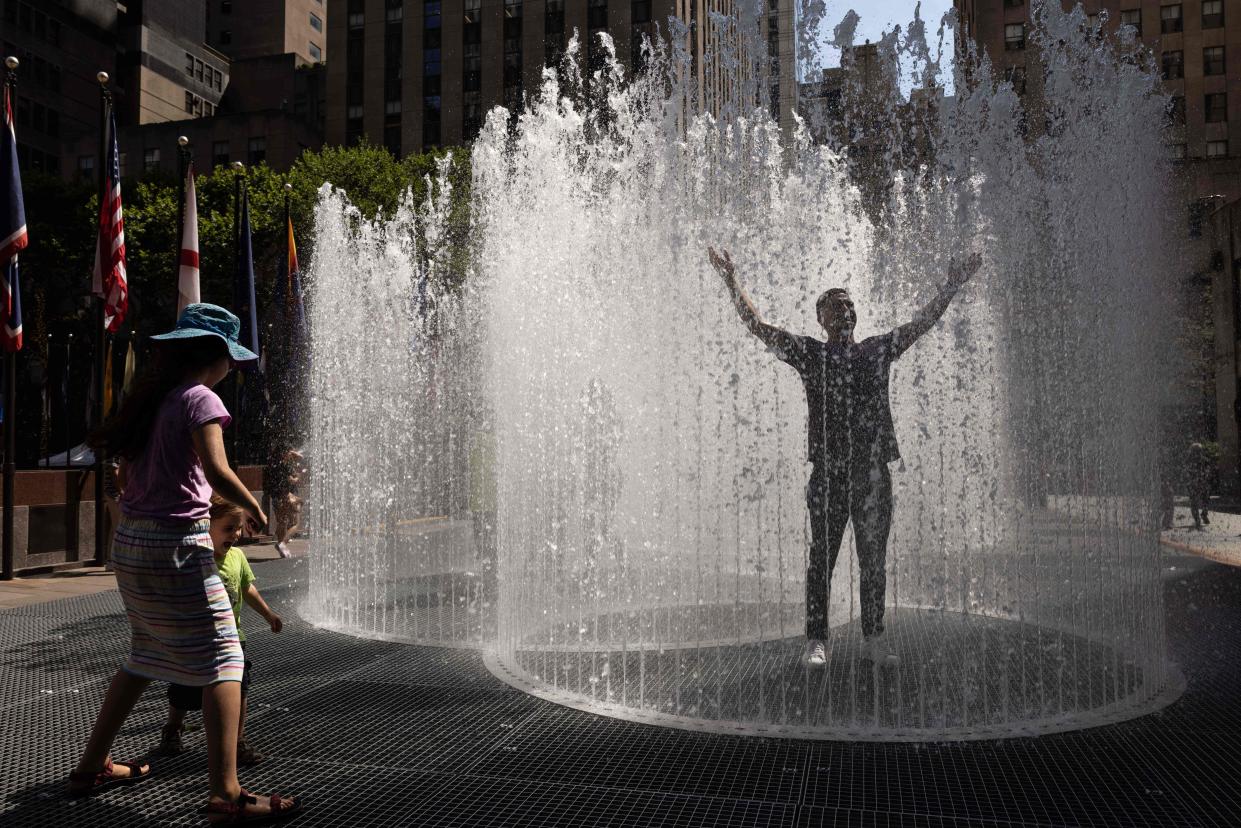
(126, 432)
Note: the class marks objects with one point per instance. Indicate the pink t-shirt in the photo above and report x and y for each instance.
(166, 481)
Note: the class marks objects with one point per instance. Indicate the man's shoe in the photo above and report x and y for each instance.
(816, 652)
(876, 650)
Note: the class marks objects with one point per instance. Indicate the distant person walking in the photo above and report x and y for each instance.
(1198, 481)
(168, 435)
(851, 440)
(283, 479)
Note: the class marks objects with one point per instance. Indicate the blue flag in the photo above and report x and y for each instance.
(243, 289)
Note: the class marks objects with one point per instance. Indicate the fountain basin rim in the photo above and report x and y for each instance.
(1128, 708)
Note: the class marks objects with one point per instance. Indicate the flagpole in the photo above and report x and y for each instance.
(238, 173)
(10, 407)
(286, 363)
(105, 105)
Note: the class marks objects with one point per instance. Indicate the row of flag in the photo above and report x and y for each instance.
(109, 279)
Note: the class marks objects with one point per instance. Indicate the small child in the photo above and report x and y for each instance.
(227, 520)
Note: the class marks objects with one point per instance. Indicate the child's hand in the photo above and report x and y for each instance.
(276, 624)
(256, 522)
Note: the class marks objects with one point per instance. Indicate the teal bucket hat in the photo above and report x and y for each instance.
(204, 319)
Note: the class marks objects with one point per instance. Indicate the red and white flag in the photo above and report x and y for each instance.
(187, 274)
(109, 278)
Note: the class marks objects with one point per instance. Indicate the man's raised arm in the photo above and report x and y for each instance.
(770, 335)
(959, 272)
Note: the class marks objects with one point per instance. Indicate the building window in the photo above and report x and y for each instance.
(1131, 17)
(150, 159)
(431, 14)
(226, 36)
(392, 139)
(1170, 20)
(395, 12)
(1012, 4)
(316, 23)
(512, 9)
(219, 153)
(357, 20)
(472, 67)
(190, 97)
(316, 54)
(353, 112)
(1213, 60)
(1016, 75)
(86, 167)
(596, 14)
(1173, 65)
(1176, 109)
(257, 150)
(189, 64)
(392, 107)
(641, 12)
(1212, 14)
(1014, 37)
(472, 118)
(1176, 152)
(1217, 149)
(430, 61)
(1216, 107)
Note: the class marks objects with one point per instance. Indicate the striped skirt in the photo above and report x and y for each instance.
(179, 612)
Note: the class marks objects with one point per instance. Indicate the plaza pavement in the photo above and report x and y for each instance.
(380, 733)
(88, 580)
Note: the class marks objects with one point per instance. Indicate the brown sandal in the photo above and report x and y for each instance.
(85, 783)
(235, 813)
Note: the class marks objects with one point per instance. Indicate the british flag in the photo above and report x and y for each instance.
(109, 275)
(13, 237)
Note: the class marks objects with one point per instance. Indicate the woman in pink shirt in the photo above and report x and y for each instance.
(169, 436)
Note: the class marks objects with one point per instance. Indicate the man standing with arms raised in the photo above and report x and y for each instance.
(851, 440)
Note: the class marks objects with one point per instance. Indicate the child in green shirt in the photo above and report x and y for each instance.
(227, 520)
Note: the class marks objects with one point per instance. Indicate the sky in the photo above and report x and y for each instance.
(877, 15)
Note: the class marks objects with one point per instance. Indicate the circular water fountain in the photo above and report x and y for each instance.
(574, 455)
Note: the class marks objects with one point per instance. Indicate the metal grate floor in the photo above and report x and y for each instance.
(382, 734)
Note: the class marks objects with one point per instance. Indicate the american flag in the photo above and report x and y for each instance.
(12, 232)
(109, 276)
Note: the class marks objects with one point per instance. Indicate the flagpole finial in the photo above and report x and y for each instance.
(103, 78)
(288, 188)
(182, 141)
(12, 63)
(238, 166)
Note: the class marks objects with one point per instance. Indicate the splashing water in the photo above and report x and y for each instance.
(570, 451)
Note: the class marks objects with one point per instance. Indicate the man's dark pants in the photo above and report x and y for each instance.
(835, 494)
